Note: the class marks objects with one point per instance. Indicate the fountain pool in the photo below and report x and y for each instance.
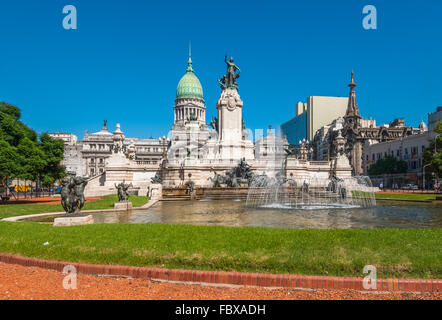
(236, 213)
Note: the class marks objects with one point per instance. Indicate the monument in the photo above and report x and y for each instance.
(194, 149)
(220, 157)
(123, 196)
(156, 188)
(231, 144)
(72, 201)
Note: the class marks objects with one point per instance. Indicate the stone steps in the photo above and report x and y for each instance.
(175, 197)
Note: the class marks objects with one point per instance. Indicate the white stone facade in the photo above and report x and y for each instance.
(409, 149)
(88, 158)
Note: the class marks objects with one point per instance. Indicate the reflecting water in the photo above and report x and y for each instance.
(234, 213)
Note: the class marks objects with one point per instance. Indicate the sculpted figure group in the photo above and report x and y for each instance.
(72, 194)
(123, 191)
(242, 174)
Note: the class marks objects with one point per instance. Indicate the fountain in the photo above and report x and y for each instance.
(311, 193)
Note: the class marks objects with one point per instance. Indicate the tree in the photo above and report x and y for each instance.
(388, 165)
(434, 160)
(12, 130)
(9, 162)
(53, 151)
(33, 161)
(25, 155)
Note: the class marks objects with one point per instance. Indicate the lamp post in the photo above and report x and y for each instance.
(435, 142)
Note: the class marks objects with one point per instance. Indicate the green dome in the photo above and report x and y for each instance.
(189, 85)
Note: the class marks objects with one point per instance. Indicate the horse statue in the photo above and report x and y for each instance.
(217, 180)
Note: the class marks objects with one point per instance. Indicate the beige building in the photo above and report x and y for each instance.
(322, 111)
(317, 112)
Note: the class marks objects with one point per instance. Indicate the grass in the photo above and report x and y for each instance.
(415, 253)
(12, 210)
(406, 196)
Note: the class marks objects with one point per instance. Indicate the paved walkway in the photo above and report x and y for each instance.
(32, 283)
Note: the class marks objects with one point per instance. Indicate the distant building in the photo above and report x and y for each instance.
(433, 118)
(409, 149)
(271, 148)
(89, 156)
(68, 138)
(357, 132)
(189, 130)
(312, 115)
(295, 129)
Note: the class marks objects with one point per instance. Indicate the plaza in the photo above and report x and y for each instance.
(284, 153)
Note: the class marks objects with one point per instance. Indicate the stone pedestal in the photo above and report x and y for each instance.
(342, 167)
(73, 221)
(124, 205)
(155, 191)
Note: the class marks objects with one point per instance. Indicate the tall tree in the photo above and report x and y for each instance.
(25, 155)
(53, 151)
(12, 130)
(33, 160)
(10, 161)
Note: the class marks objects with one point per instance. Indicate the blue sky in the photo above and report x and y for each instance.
(124, 61)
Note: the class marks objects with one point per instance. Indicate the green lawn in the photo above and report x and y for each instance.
(12, 210)
(405, 253)
(406, 196)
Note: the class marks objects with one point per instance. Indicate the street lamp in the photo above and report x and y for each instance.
(435, 142)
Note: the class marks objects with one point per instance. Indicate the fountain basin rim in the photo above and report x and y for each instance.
(59, 214)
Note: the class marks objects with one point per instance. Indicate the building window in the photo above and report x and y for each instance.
(414, 152)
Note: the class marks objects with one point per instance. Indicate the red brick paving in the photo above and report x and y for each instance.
(32, 283)
(232, 278)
